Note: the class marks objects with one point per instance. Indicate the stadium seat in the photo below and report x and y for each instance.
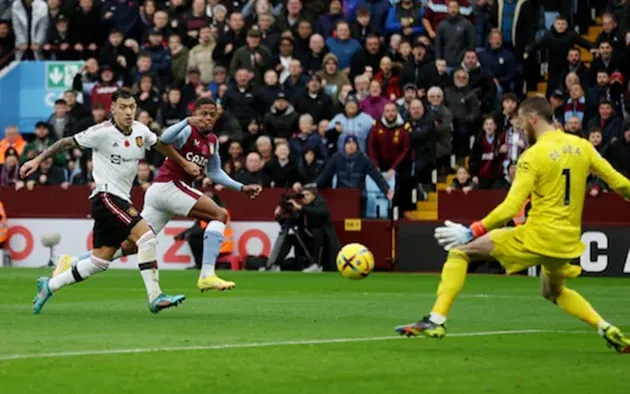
(377, 205)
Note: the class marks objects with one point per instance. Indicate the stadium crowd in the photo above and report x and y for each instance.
(327, 92)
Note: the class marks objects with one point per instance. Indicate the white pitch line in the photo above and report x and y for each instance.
(250, 345)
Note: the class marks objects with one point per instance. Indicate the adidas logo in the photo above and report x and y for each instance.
(115, 145)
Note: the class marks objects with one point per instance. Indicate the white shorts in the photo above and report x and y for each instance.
(163, 200)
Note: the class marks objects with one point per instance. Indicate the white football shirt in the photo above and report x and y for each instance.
(115, 155)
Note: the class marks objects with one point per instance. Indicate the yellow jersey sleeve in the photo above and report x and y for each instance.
(602, 168)
(520, 190)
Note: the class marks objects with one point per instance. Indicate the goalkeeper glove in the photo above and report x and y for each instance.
(453, 235)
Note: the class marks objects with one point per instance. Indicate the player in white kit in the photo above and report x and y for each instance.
(118, 145)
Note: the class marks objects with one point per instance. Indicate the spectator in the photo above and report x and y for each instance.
(235, 160)
(574, 126)
(410, 93)
(307, 139)
(147, 13)
(250, 134)
(83, 175)
(370, 56)
(361, 87)
(436, 11)
(611, 33)
(201, 55)
(282, 120)
(454, 36)
(309, 168)
(480, 81)
(389, 79)
(227, 128)
(282, 170)
(195, 19)
(342, 97)
(486, 159)
(405, 18)
(160, 56)
(12, 140)
(291, 15)
(418, 69)
(509, 104)
(220, 78)
(124, 16)
(252, 57)
(607, 60)
(85, 29)
(314, 101)
(296, 82)
(443, 121)
(264, 147)
(252, 174)
(240, 100)
(160, 23)
(269, 91)
(179, 60)
(466, 109)
(270, 38)
(326, 23)
(42, 141)
(378, 10)
(116, 55)
(148, 96)
(47, 175)
(505, 182)
(302, 39)
(98, 115)
(58, 45)
(283, 60)
(144, 175)
(388, 142)
(7, 43)
(103, 90)
(422, 141)
(351, 122)
(343, 46)
(312, 62)
(173, 110)
(577, 66)
(500, 63)
(62, 123)
(75, 109)
(608, 121)
(516, 22)
(233, 39)
(10, 174)
(515, 141)
(30, 25)
(576, 105)
(144, 65)
(619, 151)
(350, 167)
(333, 78)
(374, 104)
(462, 182)
(557, 105)
(363, 27)
(558, 41)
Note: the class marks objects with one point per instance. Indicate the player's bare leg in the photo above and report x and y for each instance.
(552, 288)
(144, 238)
(207, 210)
(453, 277)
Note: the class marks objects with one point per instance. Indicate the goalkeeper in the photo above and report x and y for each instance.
(554, 173)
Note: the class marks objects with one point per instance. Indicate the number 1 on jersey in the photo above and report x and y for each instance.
(566, 173)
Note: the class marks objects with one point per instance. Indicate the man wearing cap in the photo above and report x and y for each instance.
(557, 105)
(410, 92)
(282, 120)
(103, 90)
(57, 46)
(42, 141)
(160, 56)
(253, 57)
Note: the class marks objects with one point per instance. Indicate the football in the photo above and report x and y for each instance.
(355, 261)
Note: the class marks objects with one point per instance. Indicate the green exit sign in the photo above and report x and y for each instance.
(59, 75)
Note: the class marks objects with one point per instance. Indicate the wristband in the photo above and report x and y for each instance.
(477, 229)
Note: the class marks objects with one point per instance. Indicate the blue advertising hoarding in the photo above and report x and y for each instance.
(28, 91)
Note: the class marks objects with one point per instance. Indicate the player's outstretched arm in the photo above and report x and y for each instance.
(60, 146)
(170, 152)
(602, 168)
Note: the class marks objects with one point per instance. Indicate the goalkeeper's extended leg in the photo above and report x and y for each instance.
(453, 277)
(554, 290)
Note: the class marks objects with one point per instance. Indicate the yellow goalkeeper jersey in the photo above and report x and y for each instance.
(554, 172)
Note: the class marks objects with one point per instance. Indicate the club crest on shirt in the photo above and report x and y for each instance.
(139, 142)
(132, 211)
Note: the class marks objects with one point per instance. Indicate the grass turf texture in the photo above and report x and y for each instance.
(109, 312)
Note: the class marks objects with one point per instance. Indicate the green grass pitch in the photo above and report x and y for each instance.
(504, 337)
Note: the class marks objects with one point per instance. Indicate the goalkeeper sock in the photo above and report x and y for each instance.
(572, 302)
(79, 272)
(453, 277)
(212, 240)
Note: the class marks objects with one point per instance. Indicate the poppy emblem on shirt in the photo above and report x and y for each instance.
(139, 142)
(126, 143)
